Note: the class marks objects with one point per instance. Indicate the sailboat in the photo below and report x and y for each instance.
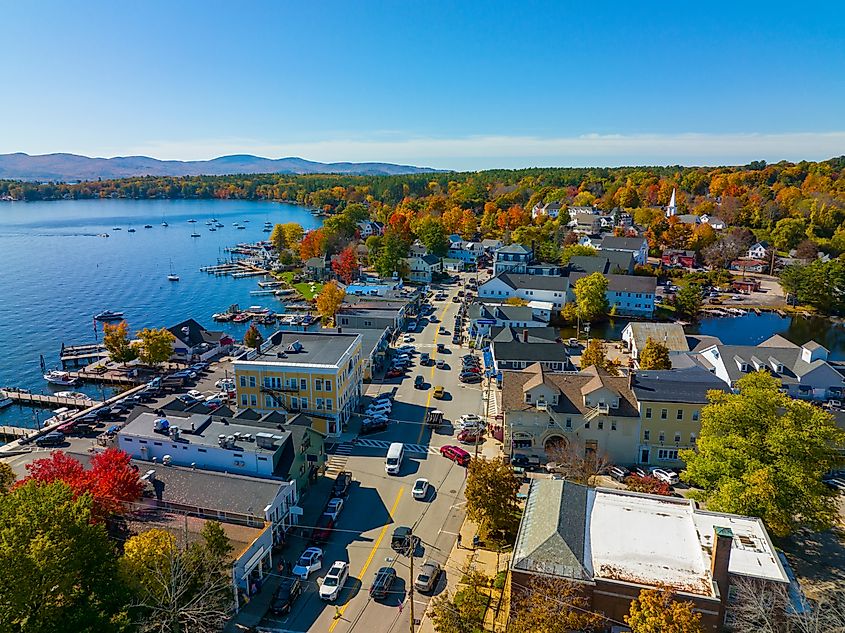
(172, 276)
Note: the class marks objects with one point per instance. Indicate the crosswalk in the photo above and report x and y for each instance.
(384, 444)
(338, 456)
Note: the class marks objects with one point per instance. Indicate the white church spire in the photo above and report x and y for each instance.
(671, 209)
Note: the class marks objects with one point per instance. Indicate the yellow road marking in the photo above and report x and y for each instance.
(434, 367)
(370, 557)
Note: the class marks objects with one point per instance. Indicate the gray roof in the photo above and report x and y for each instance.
(623, 283)
(603, 262)
(669, 334)
(370, 337)
(689, 218)
(196, 334)
(535, 282)
(517, 249)
(532, 352)
(315, 262)
(552, 531)
(676, 385)
(431, 260)
(502, 311)
(316, 347)
(546, 334)
(622, 243)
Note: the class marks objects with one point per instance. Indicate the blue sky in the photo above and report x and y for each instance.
(451, 85)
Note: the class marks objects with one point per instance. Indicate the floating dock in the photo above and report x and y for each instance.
(76, 355)
(43, 401)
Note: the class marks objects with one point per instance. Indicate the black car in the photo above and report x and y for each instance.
(373, 426)
(289, 590)
(528, 462)
(382, 583)
(403, 540)
(51, 439)
(419, 382)
(342, 484)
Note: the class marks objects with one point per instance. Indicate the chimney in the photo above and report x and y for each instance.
(720, 559)
(340, 330)
(524, 336)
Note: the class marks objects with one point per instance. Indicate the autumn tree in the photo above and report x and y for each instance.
(591, 296)
(154, 346)
(59, 566)
(657, 611)
(7, 477)
(573, 250)
(464, 611)
(117, 343)
(551, 605)
(313, 244)
(329, 300)
(574, 462)
(277, 238)
(761, 453)
(655, 355)
(648, 485)
(766, 607)
(253, 337)
(491, 496)
(688, 300)
(594, 356)
(345, 265)
(432, 234)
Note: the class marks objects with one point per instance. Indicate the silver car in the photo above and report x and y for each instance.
(426, 580)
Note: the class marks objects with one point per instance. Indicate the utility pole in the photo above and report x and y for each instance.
(411, 580)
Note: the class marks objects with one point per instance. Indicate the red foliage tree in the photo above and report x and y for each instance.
(345, 265)
(112, 481)
(649, 485)
(313, 244)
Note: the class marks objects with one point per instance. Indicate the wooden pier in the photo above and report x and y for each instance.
(14, 432)
(42, 401)
(108, 377)
(76, 355)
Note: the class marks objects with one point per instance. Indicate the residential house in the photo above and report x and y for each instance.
(467, 252)
(483, 316)
(689, 218)
(317, 373)
(545, 288)
(759, 250)
(368, 228)
(551, 209)
(803, 371)
(423, 267)
(682, 258)
(670, 402)
(317, 268)
(193, 342)
(604, 262)
(746, 286)
(540, 268)
(451, 265)
(637, 246)
(716, 223)
(513, 258)
(614, 543)
(515, 355)
(628, 295)
(590, 410)
(488, 246)
(749, 265)
(636, 334)
(353, 317)
(585, 220)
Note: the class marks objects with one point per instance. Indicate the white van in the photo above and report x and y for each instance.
(393, 461)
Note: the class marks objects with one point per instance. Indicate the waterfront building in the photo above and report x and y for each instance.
(635, 335)
(548, 288)
(194, 342)
(637, 246)
(317, 373)
(628, 295)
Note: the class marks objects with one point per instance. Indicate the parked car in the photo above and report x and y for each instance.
(54, 438)
(374, 425)
(441, 364)
(286, 593)
(668, 476)
(426, 580)
(395, 373)
(382, 583)
(528, 462)
(333, 508)
(456, 454)
(310, 561)
(469, 377)
(439, 392)
(403, 540)
(341, 484)
(419, 382)
(420, 489)
(619, 473)
(471, 369)
(323, 530)
(471, 436)
(334, 581)
(441, 347)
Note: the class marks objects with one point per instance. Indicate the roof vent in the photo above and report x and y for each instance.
(295, 347)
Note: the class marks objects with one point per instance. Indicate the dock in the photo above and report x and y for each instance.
(43, 401)
(13, 432)
(238, 269)
(108, 377)
(76, 355)
(262, 292)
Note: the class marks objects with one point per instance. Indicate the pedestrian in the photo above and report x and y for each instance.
(459, 540)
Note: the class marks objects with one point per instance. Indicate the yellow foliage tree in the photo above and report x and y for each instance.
(657, 611)
(330, 300)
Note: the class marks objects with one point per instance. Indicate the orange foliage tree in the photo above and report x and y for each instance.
(346, 264)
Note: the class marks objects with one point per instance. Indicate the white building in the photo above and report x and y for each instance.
(551, 209)
(637, 246)
(423, 267)
(759, 250)
(547, 288)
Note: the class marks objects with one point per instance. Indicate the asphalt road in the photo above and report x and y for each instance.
(378, 503)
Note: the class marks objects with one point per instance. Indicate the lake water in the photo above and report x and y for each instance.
(56, 273)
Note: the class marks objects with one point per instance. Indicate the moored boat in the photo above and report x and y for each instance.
(109, 315)
(57, 377)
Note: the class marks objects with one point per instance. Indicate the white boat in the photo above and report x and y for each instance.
(76, 395)
(191, 220)
(5, 402)
(241, 227)
(109, 315)
(57, 377)
(195, 234)
(211, 228)
(219, 225)
(165, 224)
(130, 230)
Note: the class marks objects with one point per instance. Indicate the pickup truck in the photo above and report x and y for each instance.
(342, 484)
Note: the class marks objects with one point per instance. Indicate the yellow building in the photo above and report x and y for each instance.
(317, 373)
(670, 402)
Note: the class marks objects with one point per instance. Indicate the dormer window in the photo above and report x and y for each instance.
(527, 397)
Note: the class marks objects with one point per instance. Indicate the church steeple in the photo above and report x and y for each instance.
(671, 209)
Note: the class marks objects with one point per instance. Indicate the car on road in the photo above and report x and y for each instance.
(341, 484)
(425, 358)
(197, 395)
(441, 347)
(439, 392)
(225, 383)
(441, 364)
(333, 507)
(54, 438)
(419, 382)
(470, 377)
(334, 581)
(456, 454)
(426, 580)
(618, 473)
(374, 425)
(471, 436)
(408, 338)
(412, 326)
(528, 462)
(470, 417)
(668, 476)
(310, 561)
(186, 399)
(383, 406)
(442, 330)
(420, 489)
(403, 540)
(286, 593)
(323, 530)
(395, 373)
(382, 583)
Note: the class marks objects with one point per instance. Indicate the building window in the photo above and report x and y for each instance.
(243, 400)
(646, 435)
(695, 416)
(613, 425)
(253, 400)
(128, 439)
(328, 404)
(252, 381)
(692, 439)
(318, 384)
(680, 415)
(268, 382)
(662, 436)
(664, 413)
(243, 381)
(601, 425)
(527, 397)
(294, 403)
(328, 384)
(587, 424)
(677, 438)
(304, 402)
(319, 403)
(268, 402)
(667, 454)
(648, 412)
(303, 384)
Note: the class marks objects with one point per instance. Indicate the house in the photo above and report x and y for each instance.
(460, 249)
(682, 258)
(614, 543)
(746, 286)
(689, 218)
(545, 288)
(194, 342)
(717, 224)
(637, 246)
(628, 295)
(483, 316)
(802, 370)
(422, 268)
(489, 245)
(513, 258)
(749, 265)
(584, 220)
(759, 250)
(636, 334)
(589, 411)
(669, 402)
(521, 353)
(540, 268)
(317, 373)
(317, 268)
(604, 262)
(551, 209)
(375, 288)
(353, 317)
(367, 228)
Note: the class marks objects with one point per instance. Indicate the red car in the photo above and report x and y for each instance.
(456, 454)
(469, 436)
(395, 373)
(472, 369)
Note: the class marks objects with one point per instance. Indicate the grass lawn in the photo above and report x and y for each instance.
(305, 289)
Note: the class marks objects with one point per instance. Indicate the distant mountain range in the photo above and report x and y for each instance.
(72, 167)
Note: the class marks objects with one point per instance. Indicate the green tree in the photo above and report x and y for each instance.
(154, 346)
(59, 567)
(655, 355)
(572, 250)
(688, 300)
(373, 245)
(391, 256)
(591, 296)
(818, 284)
(491, 496)
(788, 232)
(431, 233)
(594, 356)
(657, 611)
(761, 453)
(464, 612)
(7, 477)
(117, 343)
(329, 300)
(253, 337)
